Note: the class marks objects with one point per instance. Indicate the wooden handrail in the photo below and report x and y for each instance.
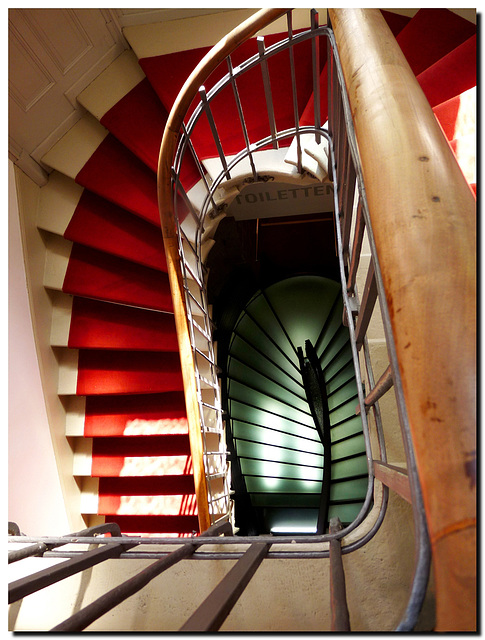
(423, 217)
(213, 58)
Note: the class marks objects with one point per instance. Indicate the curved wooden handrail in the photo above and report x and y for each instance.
(423, 218)
(211, 60)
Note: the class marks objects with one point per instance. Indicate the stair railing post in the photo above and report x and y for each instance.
(338, 595)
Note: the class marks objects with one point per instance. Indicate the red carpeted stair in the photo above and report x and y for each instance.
(123, 386)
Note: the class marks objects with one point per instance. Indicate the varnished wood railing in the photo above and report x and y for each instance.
(423, 216)
(167, 152)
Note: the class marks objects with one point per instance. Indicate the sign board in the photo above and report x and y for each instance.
(275, 199)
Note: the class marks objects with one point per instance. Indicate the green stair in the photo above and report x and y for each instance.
(278, 455)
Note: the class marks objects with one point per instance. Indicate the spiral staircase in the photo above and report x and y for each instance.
(113, 329)
(279, 449)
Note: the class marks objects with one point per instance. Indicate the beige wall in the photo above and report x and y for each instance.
(38, 490)
(34, 495)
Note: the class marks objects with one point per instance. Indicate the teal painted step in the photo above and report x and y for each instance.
(279, 451)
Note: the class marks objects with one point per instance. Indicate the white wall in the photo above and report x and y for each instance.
(34, 494)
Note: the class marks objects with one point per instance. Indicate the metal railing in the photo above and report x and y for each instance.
(187, 220)
(351, 205)
(416, 221)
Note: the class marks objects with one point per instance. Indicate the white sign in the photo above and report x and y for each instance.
(275, 199)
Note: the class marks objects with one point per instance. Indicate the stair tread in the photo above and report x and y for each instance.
(143, 486)
(135, 414)
(139, 466)
(122, 75)
(117, 175)
(83, 217)
(141, 135)
(94, 274)
(448, 112)
(85, 137)
(437, 31)
(156, 524)
(452, 74)
(159, 445)
(395, 21)
(98, 324)
(149, 505)
(103, 225)
(120, 372)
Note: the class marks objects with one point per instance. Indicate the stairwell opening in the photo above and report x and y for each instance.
(273, 284)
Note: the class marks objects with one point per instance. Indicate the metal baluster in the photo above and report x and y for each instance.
(356, 248)
(241, 118)
(106, 602)
(369, 298)
(199, 165)
(316, 74)
(331, 99)
(393, 477)
(215, 135)
(44, 578)
(267, 91)
(294, 93)
(348, 202)
(338, 596)
(381, 387)
(39, 548)
(180, 189)
(217, 606)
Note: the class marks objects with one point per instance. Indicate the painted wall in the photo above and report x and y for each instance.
(35, 500)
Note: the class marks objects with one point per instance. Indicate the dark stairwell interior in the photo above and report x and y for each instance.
(274, 284)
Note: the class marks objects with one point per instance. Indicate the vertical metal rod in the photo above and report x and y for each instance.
(39, 548)
(241, 117)
(381, 387)
(267, 91)
(330, 99)
(376, 409)
(341, 133)
(338, 596)
(356, 247)
(44, 578)
(348, 203)
(199, 165)
(316, 75)
(294, 93)
(342, 167)
(110, 599)
(215, 134)
(369, 298)
(180, 189)
(217, 606)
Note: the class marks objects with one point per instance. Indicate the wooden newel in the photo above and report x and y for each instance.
(423, 216)
(338, 595)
